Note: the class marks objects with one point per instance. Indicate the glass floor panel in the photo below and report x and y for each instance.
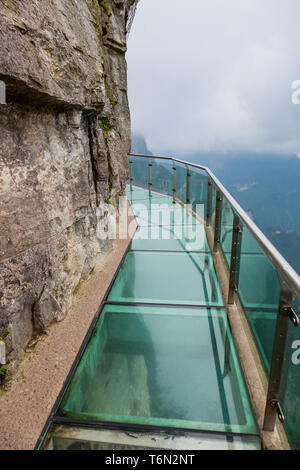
(140, 193)
(167, 278)
(166, 217)
(153, 203)
(87, 438)
(166, 361)
(144, 207)
(161, 366)
(176, 238)
(160, 210)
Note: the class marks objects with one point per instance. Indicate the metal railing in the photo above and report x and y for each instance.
(288, 278)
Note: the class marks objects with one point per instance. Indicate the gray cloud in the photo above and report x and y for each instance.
(215, 75)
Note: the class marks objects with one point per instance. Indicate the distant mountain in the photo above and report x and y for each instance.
(288, 244)
(268, 187)
(139, 145)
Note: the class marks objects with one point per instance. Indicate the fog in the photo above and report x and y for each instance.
(215, 75)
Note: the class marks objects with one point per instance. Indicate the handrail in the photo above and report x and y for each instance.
(283, 268)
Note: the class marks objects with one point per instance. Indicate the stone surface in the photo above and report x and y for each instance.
(64, 139)
(26, 405)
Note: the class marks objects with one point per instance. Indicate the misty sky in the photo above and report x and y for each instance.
(215, 75)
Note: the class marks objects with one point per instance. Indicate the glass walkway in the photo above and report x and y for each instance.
(161, 362)
(159, 368)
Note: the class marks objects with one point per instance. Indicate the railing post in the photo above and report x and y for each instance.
(188, 174)
(235, 258)
(130, 173)
(285, 314)
(174, 182)
(150, 177)
(208, 202)
(218, 219)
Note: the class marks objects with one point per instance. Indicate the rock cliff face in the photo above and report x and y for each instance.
(64, 139)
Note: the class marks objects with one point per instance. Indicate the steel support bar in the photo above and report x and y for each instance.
(208, 203)
(284, 316)
(150, 178)
(130, 173)
(235, 258)
(188, 174)
(174, 182)
(218, 219)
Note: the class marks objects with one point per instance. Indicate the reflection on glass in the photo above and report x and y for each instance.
(259, 290)
(226, 228)
(139, 168)
(181, 182)
(161, 214)
(168, 278)
(173, 238)
(198, 188)
(172, 367)
(89, 438)
(162, 176)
